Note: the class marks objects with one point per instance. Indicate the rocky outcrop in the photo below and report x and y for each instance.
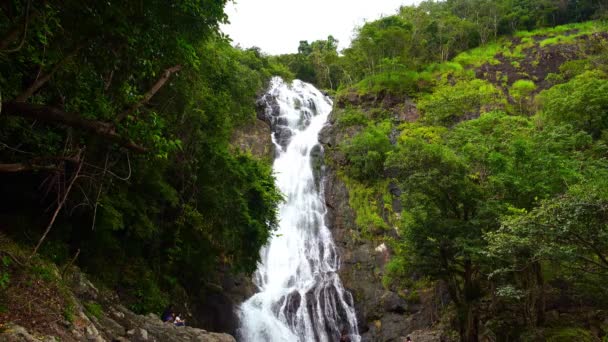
(401, 106)
(254, 138)
(108, 321)
(218, 311)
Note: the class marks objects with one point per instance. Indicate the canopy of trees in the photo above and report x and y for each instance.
(115, 128)
(430, 32)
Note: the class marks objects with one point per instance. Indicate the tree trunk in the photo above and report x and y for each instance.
(469, 317)
(540, 298)
(468, 323)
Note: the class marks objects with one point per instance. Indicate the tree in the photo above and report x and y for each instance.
(582, 102)
(440, 224)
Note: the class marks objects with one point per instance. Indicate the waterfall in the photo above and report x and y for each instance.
(300, 295)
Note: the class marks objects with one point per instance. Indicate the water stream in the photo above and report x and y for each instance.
(300, 295)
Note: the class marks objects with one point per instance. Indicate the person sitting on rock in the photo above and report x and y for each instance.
(168, 315)
(179, 322)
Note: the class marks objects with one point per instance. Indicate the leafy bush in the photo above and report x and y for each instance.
(366, 151)
(367, 201)
(351, 117)
(466, 99)
(521, 92)
(574, 68)
(581, 102)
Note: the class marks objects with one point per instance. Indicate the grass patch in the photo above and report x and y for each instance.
(93, 309)
(396, 82)
(35, 296)
(445, 67)
(481, 55)
(558, 40)
(579, 28)
(569, 334)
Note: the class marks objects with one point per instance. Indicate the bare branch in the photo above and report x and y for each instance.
(105, 168)
(39, 82)
(59, 206)
(37, 164)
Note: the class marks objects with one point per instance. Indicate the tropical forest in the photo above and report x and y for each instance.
(443, 177)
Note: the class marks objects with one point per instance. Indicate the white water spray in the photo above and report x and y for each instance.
(301, 297)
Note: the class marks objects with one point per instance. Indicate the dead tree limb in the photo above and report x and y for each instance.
(37, 164)
(150, 93)
(22, 167)
(59, 206)
(105, 169)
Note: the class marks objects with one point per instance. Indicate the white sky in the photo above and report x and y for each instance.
(277, 26)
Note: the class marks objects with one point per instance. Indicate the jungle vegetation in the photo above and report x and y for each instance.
(115, 135)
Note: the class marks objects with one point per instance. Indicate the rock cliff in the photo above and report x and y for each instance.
(383, 315)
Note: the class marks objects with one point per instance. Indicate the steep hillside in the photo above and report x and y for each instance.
(470, 199)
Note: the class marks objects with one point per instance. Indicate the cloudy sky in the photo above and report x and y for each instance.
(277, 26)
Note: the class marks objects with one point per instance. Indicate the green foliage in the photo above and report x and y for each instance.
(558, 40)
(43, 271)
(69, 312)
(367, 151)
(449, 103)
(93, 309)
(521, 89)
(582, 102)
(186, 207)
(467, 169)
(574, 68)
(521, 92)
(574, 29)
(569, 334)
(479, 56)
(351, 117)
(5, 272)
(396, 82)
(368, 203)
(569, 230)
(385, 54)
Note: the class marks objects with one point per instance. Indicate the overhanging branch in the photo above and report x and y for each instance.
(56, 116)
(148, 95)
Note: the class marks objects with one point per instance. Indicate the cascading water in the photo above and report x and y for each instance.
(301, 297)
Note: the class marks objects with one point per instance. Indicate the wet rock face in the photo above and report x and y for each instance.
(254, 138)
(269, 111)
